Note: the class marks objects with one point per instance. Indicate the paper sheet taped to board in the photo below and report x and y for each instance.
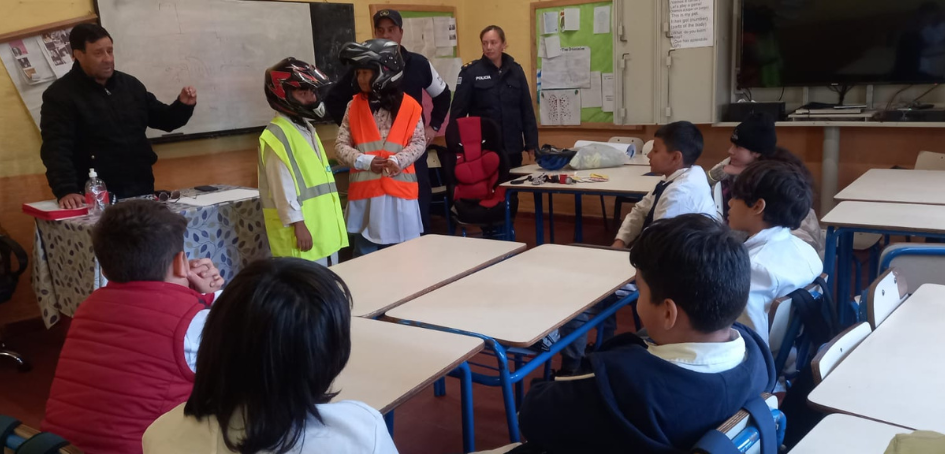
(691, 23)
(572, 69)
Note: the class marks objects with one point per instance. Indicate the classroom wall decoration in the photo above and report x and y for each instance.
(573, 54)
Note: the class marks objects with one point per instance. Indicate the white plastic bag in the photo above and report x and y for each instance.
(596, 156)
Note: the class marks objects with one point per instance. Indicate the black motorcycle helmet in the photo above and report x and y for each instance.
(291, 74)
(382, 56)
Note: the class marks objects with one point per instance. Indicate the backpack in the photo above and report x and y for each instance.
(8, 275)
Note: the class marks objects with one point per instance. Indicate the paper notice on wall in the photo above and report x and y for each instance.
(58, 51)
(444, 52)
(419, 36)
(607, 92)
(560, 107)
(592, 97)
(549, 23)
(572, 19)
(552, 47)
(691, 23)
(602, 20)
(29, 71)
(571, 70)
(444, 31)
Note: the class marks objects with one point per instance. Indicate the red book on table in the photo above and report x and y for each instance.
(49, 210)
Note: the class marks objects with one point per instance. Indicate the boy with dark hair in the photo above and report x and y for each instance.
(684, 188)
(131, 351)
(695, 369)
(769, 199)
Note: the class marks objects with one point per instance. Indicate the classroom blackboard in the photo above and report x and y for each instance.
(332, 28)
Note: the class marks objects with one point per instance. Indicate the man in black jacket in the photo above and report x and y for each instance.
(96, 117)
(419, 75)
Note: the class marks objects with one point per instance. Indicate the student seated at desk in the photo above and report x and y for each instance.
(684, 188)
(273, 344)
(693, 371)
(769, 199)
(131, 351)
(755, 139)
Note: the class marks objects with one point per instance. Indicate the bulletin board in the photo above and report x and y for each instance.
(601, 46)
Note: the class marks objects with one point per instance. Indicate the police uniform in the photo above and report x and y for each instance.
(502, 95)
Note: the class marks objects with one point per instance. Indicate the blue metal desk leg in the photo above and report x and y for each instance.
(844, 276)
(519, 385)
(389, 419)
(830, 260)
(539, 220)
(551, 218)
(439, 387)
(578, 219)
(509, 230)
(465, 385)
(508, 396)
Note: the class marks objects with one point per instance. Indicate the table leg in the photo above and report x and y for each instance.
(551, 218)
(439, 387)
(465, 385)
(830, 169)
(844, 270)
(509, 230)
(539, 220)
(578, 219)
(389, 420)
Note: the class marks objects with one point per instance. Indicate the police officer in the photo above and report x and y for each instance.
(419, 76)
(495, 87)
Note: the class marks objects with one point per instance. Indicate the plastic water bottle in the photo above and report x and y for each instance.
(96, 196)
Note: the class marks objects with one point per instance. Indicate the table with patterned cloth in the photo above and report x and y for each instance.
(65, 270)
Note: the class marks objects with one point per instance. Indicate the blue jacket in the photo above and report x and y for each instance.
(636, 402)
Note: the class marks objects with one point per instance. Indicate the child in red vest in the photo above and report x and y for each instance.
(131, 351)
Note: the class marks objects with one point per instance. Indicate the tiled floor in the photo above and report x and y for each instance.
(424, 424)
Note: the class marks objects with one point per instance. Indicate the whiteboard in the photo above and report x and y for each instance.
(221, 47)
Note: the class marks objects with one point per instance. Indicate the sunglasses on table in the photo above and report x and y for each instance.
(167, 196)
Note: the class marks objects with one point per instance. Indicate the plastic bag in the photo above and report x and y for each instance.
(597, 156)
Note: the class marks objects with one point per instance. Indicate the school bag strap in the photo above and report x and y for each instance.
(716, 442)
(7, 425)
(819, 317)
(42, 443)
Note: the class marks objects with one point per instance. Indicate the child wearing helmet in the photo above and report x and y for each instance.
(381, 136)
(300, 202)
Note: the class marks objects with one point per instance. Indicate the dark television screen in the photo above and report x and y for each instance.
(824, 42)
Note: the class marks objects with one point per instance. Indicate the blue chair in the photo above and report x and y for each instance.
(785, 330)
(918, 263)
(748, 431)
(20, 439)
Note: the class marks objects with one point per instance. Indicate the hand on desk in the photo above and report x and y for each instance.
(204, 277)
(303, 238)
(72, 201)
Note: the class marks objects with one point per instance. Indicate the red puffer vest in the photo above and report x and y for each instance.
(122, 365)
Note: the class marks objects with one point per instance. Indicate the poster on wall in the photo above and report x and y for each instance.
(691, 23)
(32, 70)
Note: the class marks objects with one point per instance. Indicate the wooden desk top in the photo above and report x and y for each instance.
(844, 433)
(623, 180)
(390, 363)
(897, 185)
(879, 215)
(522, 299)
(392, 276)
(895, 375)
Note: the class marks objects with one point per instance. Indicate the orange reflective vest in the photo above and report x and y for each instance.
(367, 139)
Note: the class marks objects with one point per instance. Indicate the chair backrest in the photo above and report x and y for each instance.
(837, 349)
(929, 160)
(885, 295)
(628, 140)
(40, 445)
(917, 263)
(433, 160)
(784, 325)
(647, 148)
(719, 199)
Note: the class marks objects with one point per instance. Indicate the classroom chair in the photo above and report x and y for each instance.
(884, 296)
(833, 352)
(741, 433)
(929, 160)
(17, 438)
(918, 263)
(438, 184)
(9, 276)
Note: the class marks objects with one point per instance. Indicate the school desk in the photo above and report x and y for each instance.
(514, 304)
(897, 185)
(391, 276)
(391, 363)
(626, 181)
(895, 374)
(844, 433)
(871, 217)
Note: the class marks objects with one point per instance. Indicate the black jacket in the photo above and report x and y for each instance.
(85, 124)
(502, 95)
(636, 402)
(418, 76)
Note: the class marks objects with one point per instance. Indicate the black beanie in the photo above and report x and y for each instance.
(756, 134)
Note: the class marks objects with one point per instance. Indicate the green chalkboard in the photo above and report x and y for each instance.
(602, 48)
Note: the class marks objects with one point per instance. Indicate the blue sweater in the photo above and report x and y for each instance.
(636, 402)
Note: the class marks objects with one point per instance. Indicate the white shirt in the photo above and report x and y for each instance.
(704, 357)
(194, 333)
(780, 264)
(688, 193)
(349, 427)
